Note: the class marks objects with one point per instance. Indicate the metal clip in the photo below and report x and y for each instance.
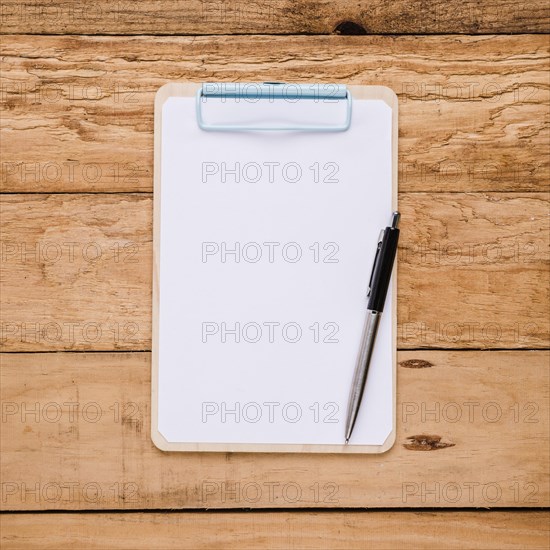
(273, 90)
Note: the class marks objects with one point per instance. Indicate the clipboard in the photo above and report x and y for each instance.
(266, 196)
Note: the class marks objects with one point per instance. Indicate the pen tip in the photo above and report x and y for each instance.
(347, 440)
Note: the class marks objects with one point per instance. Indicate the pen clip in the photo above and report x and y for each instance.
(378, 247)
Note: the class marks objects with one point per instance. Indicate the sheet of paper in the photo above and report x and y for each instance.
(267, 243)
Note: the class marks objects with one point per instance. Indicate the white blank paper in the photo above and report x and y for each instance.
(266, 247)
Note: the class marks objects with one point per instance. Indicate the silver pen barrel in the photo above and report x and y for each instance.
(361, 369)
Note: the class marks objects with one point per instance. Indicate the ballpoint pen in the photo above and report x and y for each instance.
(378, 288)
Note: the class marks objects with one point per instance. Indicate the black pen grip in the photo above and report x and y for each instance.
(382, 269)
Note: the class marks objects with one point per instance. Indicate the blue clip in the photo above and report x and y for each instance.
(255, 91)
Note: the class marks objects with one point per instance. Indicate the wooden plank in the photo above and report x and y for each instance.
(278, 530)
(76, 271)
(78, 111)
(81, 274)
(274, 17)
(472, 432)
(460, 257)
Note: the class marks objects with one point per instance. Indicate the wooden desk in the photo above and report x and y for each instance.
(473, 297)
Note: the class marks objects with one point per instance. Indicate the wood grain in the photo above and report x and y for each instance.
(473, 111)
(472, 432)
(77, 117)
(274, 17)
(278, 530)
(76, 271)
